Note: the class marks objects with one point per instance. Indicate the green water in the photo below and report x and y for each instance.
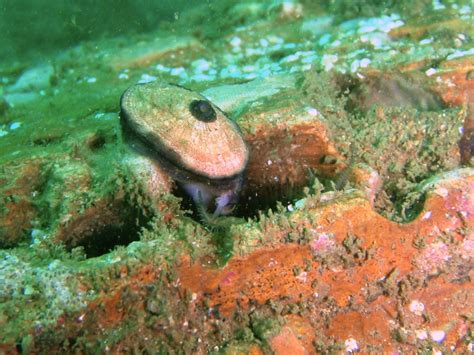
(32, 28)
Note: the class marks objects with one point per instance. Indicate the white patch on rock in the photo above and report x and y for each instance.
(421, 334)
(426, 216)
(438, 335)
(351, 345)
(34, 79)
(417, 307)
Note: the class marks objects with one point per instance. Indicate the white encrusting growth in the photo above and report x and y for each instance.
(351, 345)
(417, 307)
(438, 335)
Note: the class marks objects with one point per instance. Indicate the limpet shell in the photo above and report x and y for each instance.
(185, 128)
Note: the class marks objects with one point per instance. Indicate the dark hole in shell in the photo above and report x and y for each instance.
(202, 110)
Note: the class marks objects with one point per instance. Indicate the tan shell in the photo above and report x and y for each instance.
(160, 115)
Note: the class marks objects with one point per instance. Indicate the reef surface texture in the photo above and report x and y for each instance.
(355, 226)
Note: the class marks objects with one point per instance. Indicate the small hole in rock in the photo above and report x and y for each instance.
(100, 231)
(328, 159)
(105, 240)
(96, 141)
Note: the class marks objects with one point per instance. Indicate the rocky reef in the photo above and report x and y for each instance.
(354, 229)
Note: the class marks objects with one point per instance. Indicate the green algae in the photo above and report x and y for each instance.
(264, 327)
(405, 145)
(60, 115)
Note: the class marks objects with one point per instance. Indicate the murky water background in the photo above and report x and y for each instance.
(30, 27)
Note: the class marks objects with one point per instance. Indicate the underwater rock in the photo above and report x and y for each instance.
(365, 179)
(417, 31)
(247, 11)
(143, 53)
(286, 9)
(295, 337)
(21, 98)
(149, 175)
(80, 213)
(286, 143)
(455, 81)
(466, 144)
(392, 90)
(85, 217)
(19, 184)
(33, 79)
(398, 132)
(324, 277)
(237, 97)
(27, 88)
(370, 262)
(317, 26)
